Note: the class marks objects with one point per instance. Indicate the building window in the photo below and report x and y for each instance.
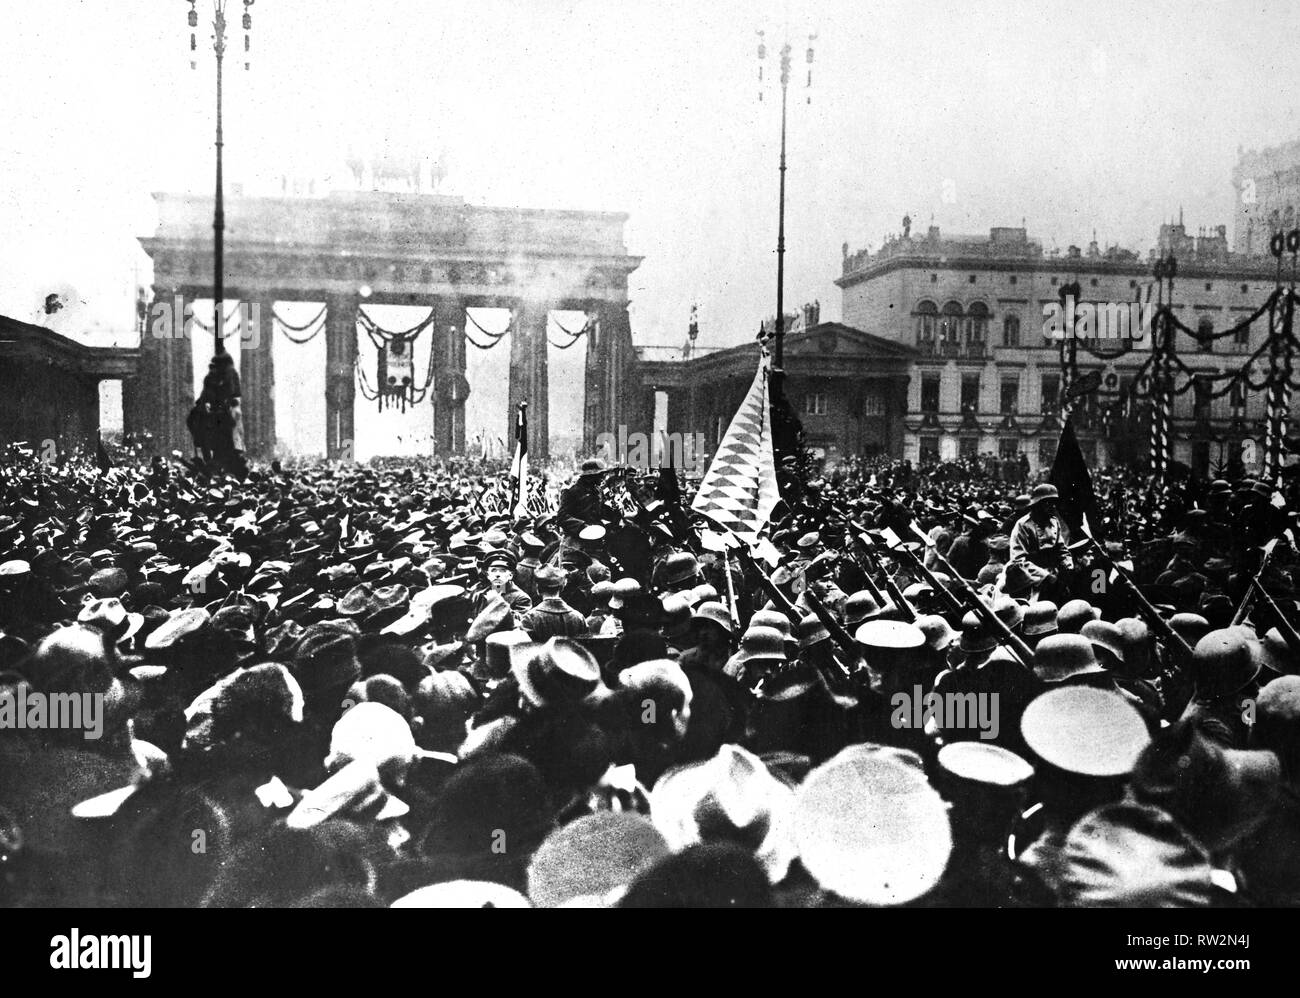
(1053, 282)
(814, 404)
(1051, 393)
(1237, 397)
(929, 393)
(1093, 282)
(934, 278)
(1132, 284)
(1010, 396)
(1201, 402)
(929, 448)
(950, 328)
(1011, 331)
(1046, 453)
(873, 405)
(1012, 278)
(977, 329)
(968, 447)
(926, 320)
(1208, 285)
(1008, 446)
(1245, 288)
(971, 279)
(1242, 337)
(970, 393)
(1204, 334)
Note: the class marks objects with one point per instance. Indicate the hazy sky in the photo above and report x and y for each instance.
(1107, 116)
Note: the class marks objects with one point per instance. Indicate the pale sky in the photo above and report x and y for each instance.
(1106, 117)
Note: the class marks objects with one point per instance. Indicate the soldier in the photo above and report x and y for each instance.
(552, 617)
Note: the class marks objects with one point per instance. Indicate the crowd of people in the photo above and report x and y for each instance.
(343, 685)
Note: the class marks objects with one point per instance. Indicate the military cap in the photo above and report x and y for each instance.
(870, 828)
(1085, 731)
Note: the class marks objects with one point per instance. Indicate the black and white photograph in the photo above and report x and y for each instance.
(677, 454)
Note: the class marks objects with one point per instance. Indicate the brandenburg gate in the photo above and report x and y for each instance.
(424, 250)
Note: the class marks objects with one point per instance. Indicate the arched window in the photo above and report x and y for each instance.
(950, 324)
(926, 319)
(1011, 331)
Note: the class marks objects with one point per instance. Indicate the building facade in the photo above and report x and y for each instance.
(849, 389)
(1267, 182)
(987, 380)
(49, 388)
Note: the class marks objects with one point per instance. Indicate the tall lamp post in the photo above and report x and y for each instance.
(786, 429)
(220, 398)
(778, 352)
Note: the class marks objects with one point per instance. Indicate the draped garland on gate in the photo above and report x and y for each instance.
(230, 325)
(395, 344)
(312, 327)
(493, 338)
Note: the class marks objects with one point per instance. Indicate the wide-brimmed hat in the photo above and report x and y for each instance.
(730, 797)
(559, 671)
(592, 466)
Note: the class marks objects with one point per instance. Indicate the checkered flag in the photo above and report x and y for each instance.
(739, 490)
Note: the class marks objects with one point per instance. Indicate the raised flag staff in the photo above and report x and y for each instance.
(519, 465)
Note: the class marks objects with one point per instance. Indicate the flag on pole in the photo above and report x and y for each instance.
(519, 466)
(739, 490)
(1070, 475)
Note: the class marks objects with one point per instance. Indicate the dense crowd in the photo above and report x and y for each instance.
(370, 686)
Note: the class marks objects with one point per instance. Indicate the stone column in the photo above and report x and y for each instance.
(257, 378)
(340, 376)
(528, 377)
(158, 399)
(609, 391)
(450, 386)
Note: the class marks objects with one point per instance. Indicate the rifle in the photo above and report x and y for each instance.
(952, 601)
(1283, 625)
(1244, 607)
(895, 594)
(791, 611)
(731, 591)
(845, 641)
(1017, 644)
(1152, 615)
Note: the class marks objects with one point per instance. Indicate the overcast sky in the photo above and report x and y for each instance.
(1107, 116)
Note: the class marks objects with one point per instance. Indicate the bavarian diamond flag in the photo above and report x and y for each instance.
(739, 490)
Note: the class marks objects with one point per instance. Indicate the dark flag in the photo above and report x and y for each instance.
(101, 456)
(1072, 479)
(519, 466)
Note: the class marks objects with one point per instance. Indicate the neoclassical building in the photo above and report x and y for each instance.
(985, 378)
